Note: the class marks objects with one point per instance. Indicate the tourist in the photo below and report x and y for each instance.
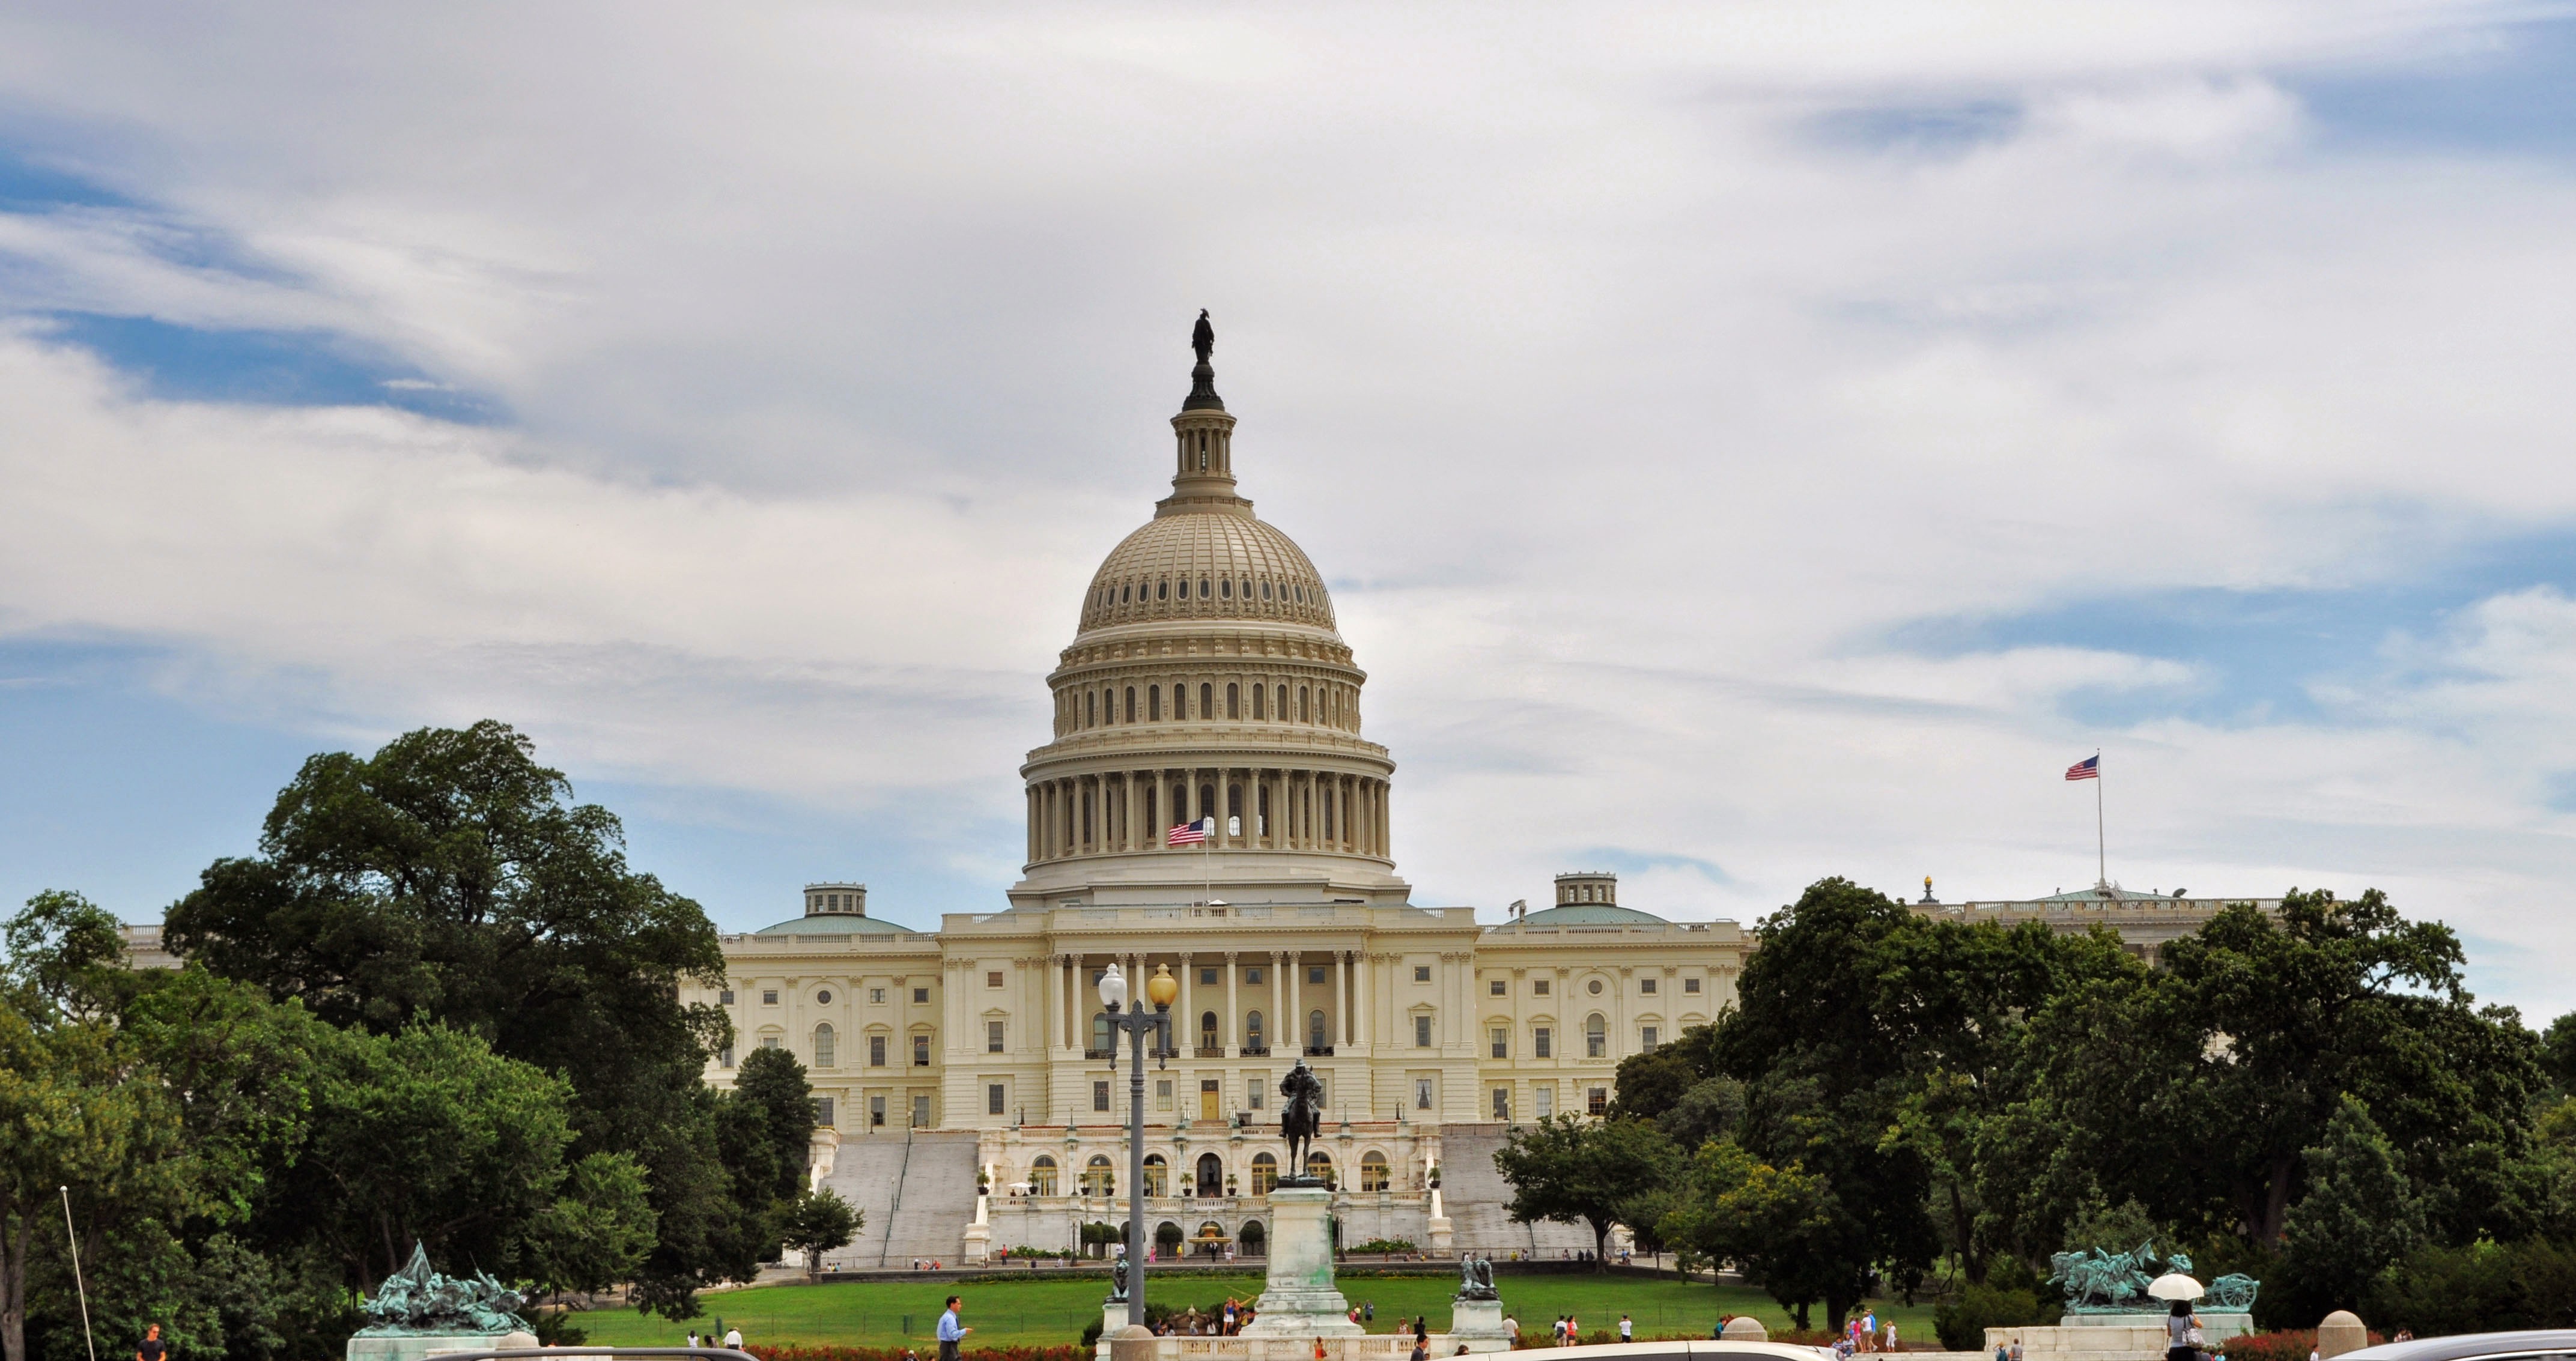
(1319, 1349)
(2016, 1349)
(1421, 1349)
(1368, 1311)
(693, 1337)
(153, 1348)
(1229, 1316)
(2002, 1353)
(950, 1331)
(1891, 1336)
(1627, 1330)
(733, 1339)
(2178, 1326)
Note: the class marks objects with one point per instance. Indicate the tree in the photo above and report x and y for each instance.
(1570, 1170)
(778, 1104)
(1778, 1225)
(817, 1222)
(451, 878)
(2359, 1216)
(2558, 1053)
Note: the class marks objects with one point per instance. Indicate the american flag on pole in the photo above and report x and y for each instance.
(1190, 833)
(2090, 768)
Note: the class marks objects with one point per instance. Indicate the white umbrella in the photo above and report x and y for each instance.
(2173, 1285)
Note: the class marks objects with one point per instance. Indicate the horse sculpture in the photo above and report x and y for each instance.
(1301, 1114)
(2099, 1282)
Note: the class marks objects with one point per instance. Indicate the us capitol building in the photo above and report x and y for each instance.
(1206, 680)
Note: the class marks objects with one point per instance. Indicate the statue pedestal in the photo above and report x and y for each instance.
(421, 1346)
(1300, 1299)
(1478, 1326)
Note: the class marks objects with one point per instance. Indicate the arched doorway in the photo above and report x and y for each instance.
(1158, 1175)
(1211, 1175)
(1252, 1239)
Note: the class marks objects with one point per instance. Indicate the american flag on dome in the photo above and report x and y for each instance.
(1191, 833)
(2090, 768)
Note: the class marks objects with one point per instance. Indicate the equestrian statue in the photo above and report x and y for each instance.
(1301, 1114)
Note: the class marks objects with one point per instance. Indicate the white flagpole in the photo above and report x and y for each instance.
(78, 1284)
(2101, 856)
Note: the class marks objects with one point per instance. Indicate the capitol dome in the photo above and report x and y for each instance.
(1206, 564)
(1207, 687)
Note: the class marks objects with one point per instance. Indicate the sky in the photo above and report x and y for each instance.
(1746, 443)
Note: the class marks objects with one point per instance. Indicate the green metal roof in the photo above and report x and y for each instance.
(835, 924)
(1592, 914)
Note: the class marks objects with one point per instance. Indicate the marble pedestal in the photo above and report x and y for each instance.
(1478, 1326)
(1300, 1299)
(421, 1346)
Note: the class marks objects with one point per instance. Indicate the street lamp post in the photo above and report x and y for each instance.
(1160, 990)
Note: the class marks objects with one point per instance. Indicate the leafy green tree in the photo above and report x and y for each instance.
(2558, 1053)
(817, 1222)
(1778, 1225)
(778, 1105)
(1571, 1170)
(2358, 1217)
(451, 878)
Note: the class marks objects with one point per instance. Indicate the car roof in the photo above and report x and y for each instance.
(1686, 1349)
(2463, 1346)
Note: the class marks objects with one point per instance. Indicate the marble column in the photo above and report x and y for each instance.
(1230, 1024)
(1341, 999)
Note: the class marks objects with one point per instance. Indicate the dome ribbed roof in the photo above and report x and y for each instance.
(1207, 566)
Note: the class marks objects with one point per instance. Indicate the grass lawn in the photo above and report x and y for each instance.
(1044, 1311)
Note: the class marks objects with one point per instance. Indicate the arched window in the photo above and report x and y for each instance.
(1163, 589)
(1596, 1037)
(1319, 1165)
(1265, 1174)
(1233, 700)
(1373, 1171)
(1315, 1032)
(1042, 1176)
(1158, 1175)
(1203, 588)
(1305, 705)
(1100, 1032)
(1260, 698)
(1207, 700)
(1150, 819)
(1154, 702)
(1207, 800)
(1096, 1177)
(1265, 590)
(1180, 701)
(1126, 593)
(1091, 710)
(1283, 702)
(1225, 589)
(1207, 1030)
(1252, 1238)
(823, 1040)
(1252, 1030)
(1131, 704)
(1211, 1179)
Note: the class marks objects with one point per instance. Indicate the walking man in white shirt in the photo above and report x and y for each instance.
(950, 1333)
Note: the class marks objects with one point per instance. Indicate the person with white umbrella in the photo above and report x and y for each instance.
(2183, 1337)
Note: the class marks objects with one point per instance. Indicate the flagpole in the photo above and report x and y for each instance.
(73, 1234)
(2101, 856)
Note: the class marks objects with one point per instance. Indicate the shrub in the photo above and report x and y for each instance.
(2484, 1287)
(2286, 1344)
(765, 1353)
(1962, 1323)
(1387, 1245)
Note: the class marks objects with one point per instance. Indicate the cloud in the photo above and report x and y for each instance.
(1718, 424)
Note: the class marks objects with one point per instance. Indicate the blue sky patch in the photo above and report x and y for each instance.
(2516, 96)
(268, 368)
(28, 184)
(1917, 129)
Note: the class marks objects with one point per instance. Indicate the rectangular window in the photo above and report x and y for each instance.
(1646, 1038)
(1690, 985)
(1256, 1089)
(921, 1112)
(724, 1057)
(1100, 1096)
(1538, 988)
(1421, 1032)
(1596, 1100)
(1422, 1093)
(876, 1112)
(992, 1037)
(1502, 1103)
(1647, 986)
(1421, 973)
(920, 1051)
(877, 995)
(1501, 1041)
(1207, 978)
(994, 1098)
(1497, 988)
(769, 997)
(1315, 973)
(769, 1042)
(876, 1051)
(1252, 976)
(822, 1110)
(920, 995)
(1162, 1093)
(1543, 1100)
(725, 998)
(992, 978)
(1542, 1043)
